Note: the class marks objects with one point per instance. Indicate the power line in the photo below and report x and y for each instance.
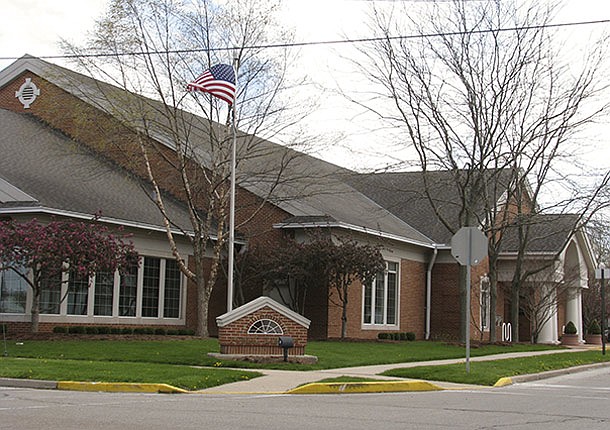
(323, 42)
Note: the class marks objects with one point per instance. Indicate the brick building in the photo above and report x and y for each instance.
(69, 153)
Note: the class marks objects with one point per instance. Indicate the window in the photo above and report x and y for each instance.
(78, 294)
(171, 306)
(50, 294)
(265, 326)
(13, 291)
(153, 289)
(380, 298)
(150, 290)
(485, 303)
(104, 293)
(128, 292)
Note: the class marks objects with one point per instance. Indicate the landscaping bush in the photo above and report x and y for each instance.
(91, 330)
(115, 330)
(172, 332)
(160, 331)
(60, 329)
(76, 329)
(410, 336)
(383, 336)
(594, 328)
(570, 328)
(103, 330)
(127, 330)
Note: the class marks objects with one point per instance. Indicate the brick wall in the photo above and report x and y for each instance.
(235, 339)
(412, 298)
(445, 310)
(108, 137)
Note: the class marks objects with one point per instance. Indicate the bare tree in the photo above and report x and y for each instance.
(540, 294)
(182, 143)
(480, 90)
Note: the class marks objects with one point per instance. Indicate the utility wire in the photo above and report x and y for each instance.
(323, 42)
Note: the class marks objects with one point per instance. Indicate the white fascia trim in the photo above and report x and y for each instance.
(514, 255)
(257, 304)
(78, 215)
(360, 229)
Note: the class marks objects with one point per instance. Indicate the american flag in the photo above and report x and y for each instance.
(218, 81)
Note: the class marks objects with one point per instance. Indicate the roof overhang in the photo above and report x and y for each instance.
(27, 210)
(355, 228)
(257, 304)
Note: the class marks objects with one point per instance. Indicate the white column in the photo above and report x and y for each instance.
(548, 332)
(574, 310)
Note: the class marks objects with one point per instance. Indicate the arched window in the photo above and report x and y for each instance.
(265, 326)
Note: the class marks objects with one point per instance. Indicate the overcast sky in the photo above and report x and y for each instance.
(35, 26)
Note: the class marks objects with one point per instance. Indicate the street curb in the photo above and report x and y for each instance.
(364, 387)
(119, 387)
(510, 380)
(28, 383)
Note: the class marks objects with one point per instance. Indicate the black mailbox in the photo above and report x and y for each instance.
(285, 342)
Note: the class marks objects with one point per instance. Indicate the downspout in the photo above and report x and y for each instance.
(429, 291)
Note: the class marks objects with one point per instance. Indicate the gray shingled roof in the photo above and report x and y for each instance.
(402, 193)
(548, 234)
(42, 168)
(309, 186)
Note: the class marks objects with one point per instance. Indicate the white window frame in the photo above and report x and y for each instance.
(485, 303)
(383, 326)
(90, 317)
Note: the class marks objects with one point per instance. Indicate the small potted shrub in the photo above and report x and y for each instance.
(570, 335)
(594, 333)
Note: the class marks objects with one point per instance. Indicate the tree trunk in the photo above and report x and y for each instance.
(202, 308)
(493, 304)
(344, 316)
(514, 311)
(463, 291)
(35, 311)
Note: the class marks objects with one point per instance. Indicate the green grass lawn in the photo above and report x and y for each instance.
(331, 354)
(171, 361)
(488, 372)
(186, 377)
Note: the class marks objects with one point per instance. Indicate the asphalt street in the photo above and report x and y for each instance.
(573, 401)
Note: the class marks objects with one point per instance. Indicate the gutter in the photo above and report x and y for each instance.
(429, 291)
(352, 227)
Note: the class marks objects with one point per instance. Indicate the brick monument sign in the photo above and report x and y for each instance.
(253, 330)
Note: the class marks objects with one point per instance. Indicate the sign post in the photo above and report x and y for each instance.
(469, 248)
(601, 274)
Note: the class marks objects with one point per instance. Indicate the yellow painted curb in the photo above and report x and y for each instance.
(118, 387)
(364, 387)
(503, 382)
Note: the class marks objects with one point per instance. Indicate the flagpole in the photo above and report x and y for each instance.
(230, 281)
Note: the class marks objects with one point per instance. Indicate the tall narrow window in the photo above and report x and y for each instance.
(485, 303)
(104, 292)
(380, 300)
(128, 292)
(50, 294)
(13, 291)
(78, 294)
(150, 290)
(171, 306)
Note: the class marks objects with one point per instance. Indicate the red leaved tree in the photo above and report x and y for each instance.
(51, 249)
(323, 262)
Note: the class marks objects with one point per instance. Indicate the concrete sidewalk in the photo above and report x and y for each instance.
(283, 381)
(306, 382)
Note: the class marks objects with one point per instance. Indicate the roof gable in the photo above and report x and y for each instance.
(41, 169)
(257, 304)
